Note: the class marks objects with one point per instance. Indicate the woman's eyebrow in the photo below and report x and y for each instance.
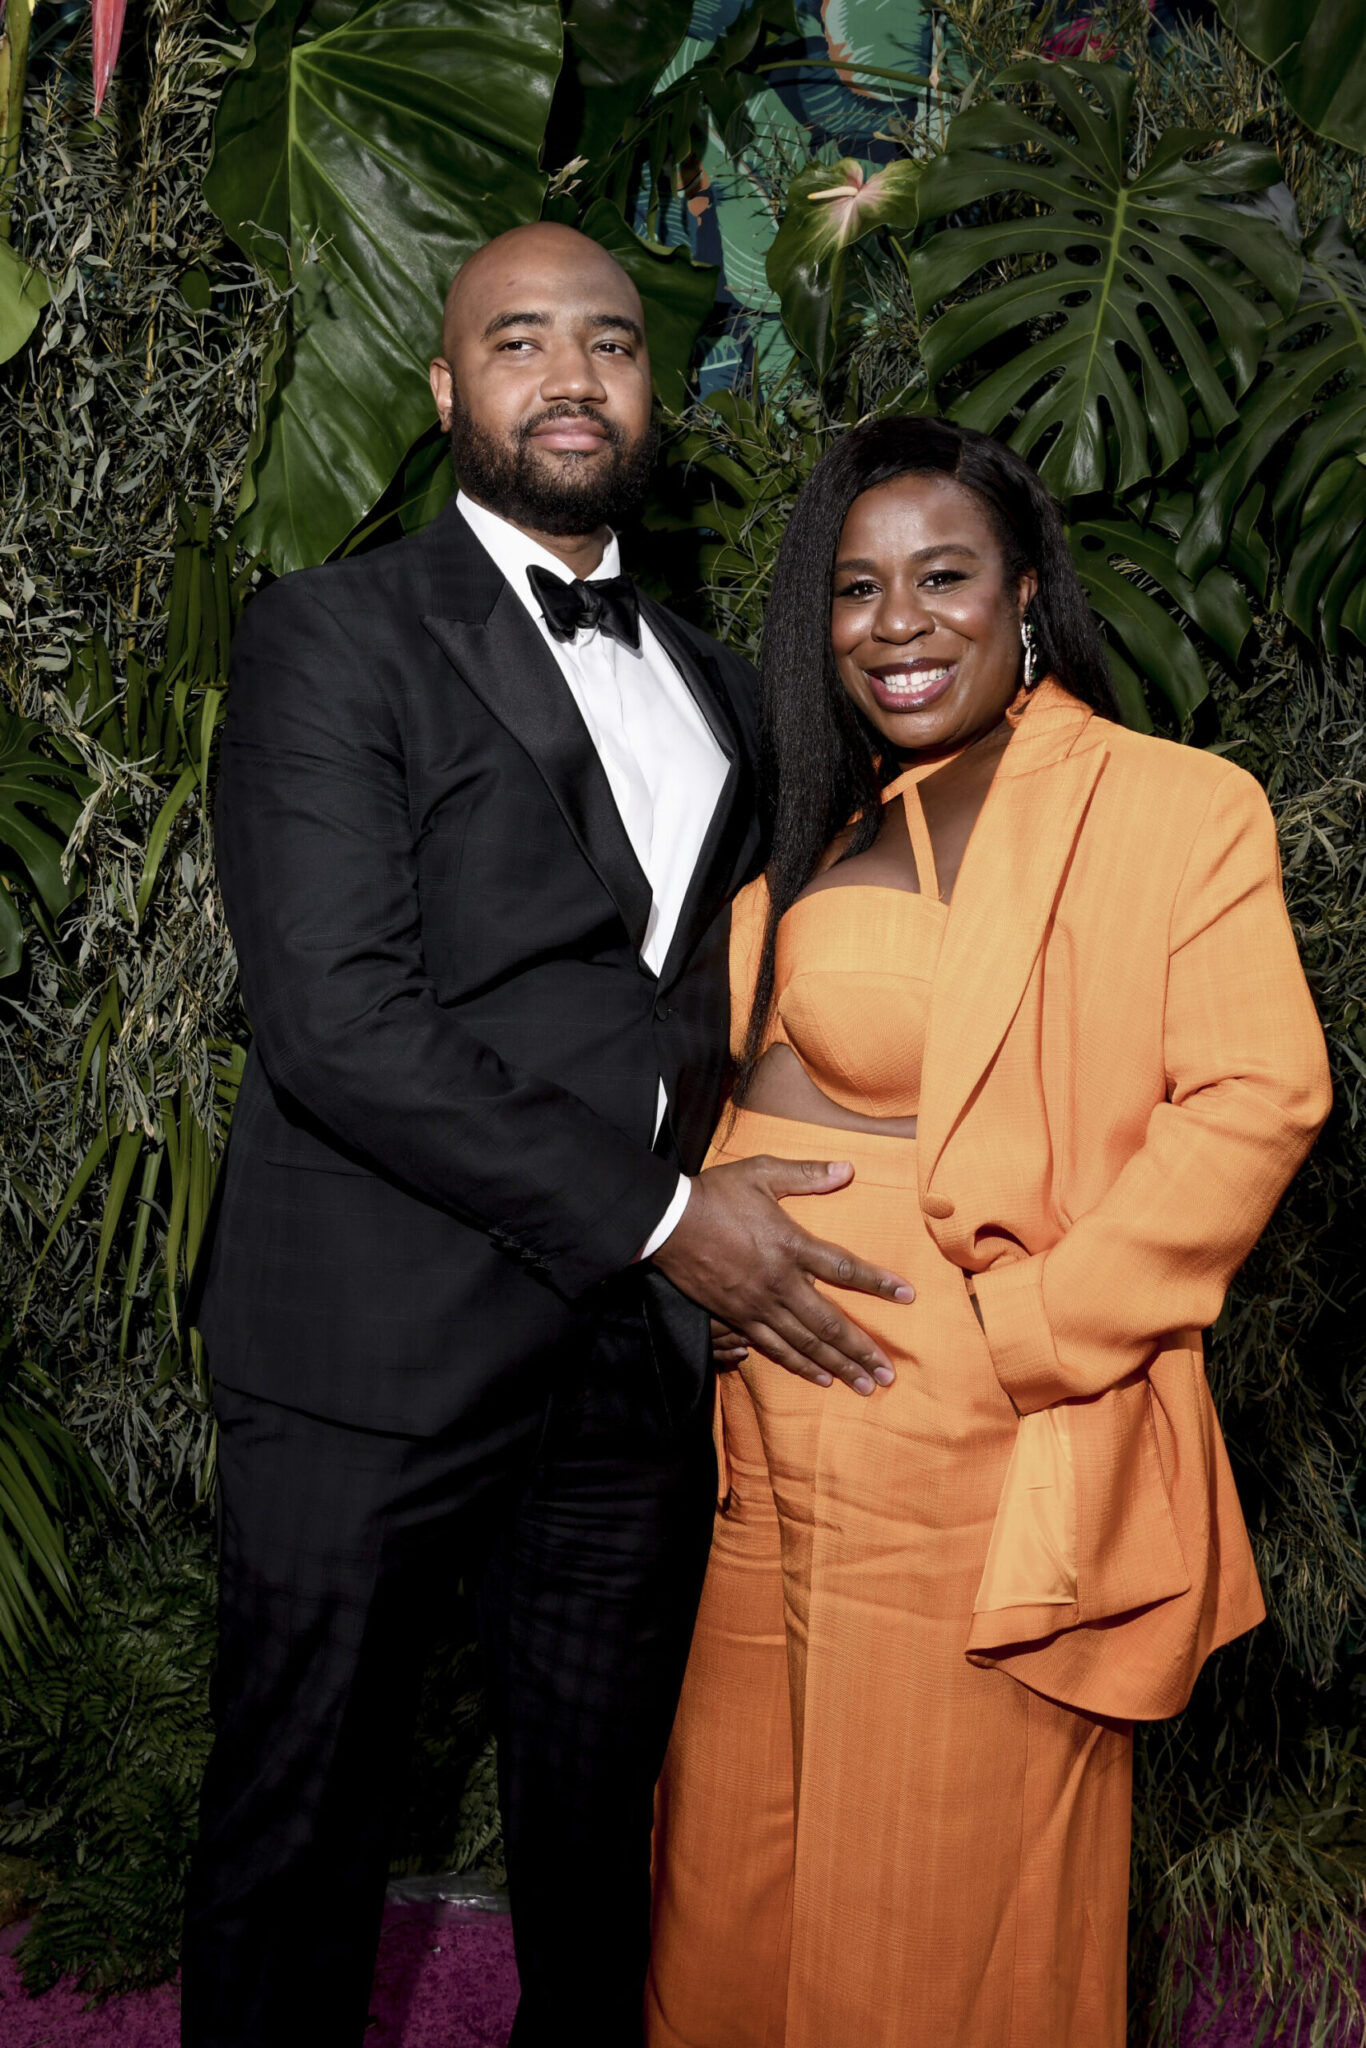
(948, 547)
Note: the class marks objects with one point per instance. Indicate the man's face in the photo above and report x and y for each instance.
(544, 386)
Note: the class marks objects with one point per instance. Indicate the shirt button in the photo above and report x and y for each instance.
(937, 1206)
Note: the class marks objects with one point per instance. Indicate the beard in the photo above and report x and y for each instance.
(564, 494)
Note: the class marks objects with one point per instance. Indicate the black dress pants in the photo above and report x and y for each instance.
(584, 1527)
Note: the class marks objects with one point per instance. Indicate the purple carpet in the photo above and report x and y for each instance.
(446, 1979)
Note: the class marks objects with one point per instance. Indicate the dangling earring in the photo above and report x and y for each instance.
(1027, 641)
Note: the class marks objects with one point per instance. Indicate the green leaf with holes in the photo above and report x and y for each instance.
(1131, 299)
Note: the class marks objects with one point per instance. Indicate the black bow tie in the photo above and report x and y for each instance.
(611, 604)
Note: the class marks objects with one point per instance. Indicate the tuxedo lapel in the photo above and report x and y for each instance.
(504, 660)
(714, 877)
(1005, 895)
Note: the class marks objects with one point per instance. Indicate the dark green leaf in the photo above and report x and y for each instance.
(1317, 49)
(1307, 417)
(614, 53)
(1152, 642)
(23, 295)
(372, 159)
(829, 208)
(428, 482)
(1145, 284)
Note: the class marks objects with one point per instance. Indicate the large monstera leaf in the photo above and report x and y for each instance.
(830, 207)
(1317, 49)
(363, 164)
(1307, 420)
(1133, 298)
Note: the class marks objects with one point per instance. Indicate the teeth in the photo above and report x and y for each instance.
(912, 685)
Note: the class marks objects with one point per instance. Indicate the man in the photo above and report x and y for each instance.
(480, 815)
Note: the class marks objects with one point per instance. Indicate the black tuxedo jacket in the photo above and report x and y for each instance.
(443, 1141)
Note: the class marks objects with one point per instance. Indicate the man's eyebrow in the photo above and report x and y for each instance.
(620, 322)
(502, 320)
(948, 547)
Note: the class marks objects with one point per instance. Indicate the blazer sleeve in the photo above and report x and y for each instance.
(318, 871)
(1247, 1091)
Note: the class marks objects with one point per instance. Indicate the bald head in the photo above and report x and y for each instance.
(544, 382)
(519, 269)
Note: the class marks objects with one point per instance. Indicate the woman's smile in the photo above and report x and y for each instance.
(911, 685)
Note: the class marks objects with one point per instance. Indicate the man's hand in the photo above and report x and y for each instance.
(738, 1253)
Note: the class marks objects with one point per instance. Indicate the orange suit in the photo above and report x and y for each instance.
(895, 1810)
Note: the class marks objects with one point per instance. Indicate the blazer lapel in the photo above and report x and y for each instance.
(1005, 895)
(715, 874)
(506, 663)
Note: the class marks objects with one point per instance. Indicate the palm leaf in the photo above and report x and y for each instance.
(1141, 293)
(43, 1474)
(40, 802)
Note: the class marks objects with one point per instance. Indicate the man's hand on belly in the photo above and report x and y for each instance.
(737, 1252)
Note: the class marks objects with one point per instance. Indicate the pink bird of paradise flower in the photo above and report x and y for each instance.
(106, 27)
(106, 32)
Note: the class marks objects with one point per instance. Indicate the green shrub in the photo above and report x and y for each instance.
(101, 1751)
(103, 1744)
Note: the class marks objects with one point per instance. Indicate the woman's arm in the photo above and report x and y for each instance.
(1248, 1090)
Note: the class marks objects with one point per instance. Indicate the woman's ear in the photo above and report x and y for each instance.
(1028, 591)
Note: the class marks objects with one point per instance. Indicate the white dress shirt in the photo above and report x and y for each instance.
(661, 759)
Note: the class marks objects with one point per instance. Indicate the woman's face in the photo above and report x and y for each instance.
(925, 628)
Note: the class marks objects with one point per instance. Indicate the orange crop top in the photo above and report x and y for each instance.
(854, 967)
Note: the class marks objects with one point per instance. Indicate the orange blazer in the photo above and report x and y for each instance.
(1123, 1072)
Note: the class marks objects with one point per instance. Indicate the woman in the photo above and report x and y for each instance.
(1043, 994)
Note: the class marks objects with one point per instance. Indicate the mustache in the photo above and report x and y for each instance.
(611, 431)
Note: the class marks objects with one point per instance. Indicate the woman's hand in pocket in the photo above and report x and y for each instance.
(728, 1347)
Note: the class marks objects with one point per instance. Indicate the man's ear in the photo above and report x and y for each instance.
(442, 380)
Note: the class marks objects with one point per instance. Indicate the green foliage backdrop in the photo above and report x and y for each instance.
(1120, 246)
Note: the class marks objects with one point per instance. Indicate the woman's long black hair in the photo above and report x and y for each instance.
(821, 762)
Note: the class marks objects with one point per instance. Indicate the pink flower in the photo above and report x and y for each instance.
(1076, 40)
(106, 21)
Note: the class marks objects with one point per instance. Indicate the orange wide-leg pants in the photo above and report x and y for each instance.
(863, 1840)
